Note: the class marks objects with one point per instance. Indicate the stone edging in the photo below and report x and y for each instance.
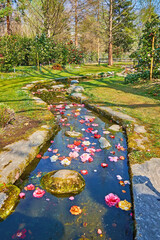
(145, 177)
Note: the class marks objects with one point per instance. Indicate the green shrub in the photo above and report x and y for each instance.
(132, 78)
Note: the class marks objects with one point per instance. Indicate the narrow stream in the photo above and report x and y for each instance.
(49, 217)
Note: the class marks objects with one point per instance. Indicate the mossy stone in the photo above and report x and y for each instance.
(9, 199)
(63, 182)
(73, 134)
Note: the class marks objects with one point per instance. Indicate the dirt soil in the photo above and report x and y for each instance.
(17, 130)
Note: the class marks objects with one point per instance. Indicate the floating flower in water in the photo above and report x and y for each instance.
(121, 183)
(119, 177)
(121, 157)
(52, 141)
(94, 132)
(113, 159)
(49, 149)
(99, 231)
(87, 143)
(76, 149)
(124, 205)
(85, 157)
(126, 182)
(77, 143)
(97, 135)
(20, 234)
(104, 165)
(111, 199)
(39, 174)
(90, 160)
(38, 193)
(82, 121)
(71, 198)
(22, 195)
(90, 150)
(106, 132)
(73, 154)
(75, 210)
(55, 150)
(113, 152)
(65, 162)
(84, 172)
(119, 147)
(112, 136)
(54, 158)
(29, 187)
(45, 157)
(98, 150)
(94, 124)
(71, 146)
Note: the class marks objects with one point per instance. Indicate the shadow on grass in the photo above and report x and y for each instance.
(118, 85)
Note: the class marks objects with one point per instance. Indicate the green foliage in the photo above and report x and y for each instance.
(144, 53)
(17, 50)
(141, 76)
(123, 26)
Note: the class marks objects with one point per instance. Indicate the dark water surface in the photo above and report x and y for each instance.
(49, 217)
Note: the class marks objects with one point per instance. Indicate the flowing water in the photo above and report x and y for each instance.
(49, 217)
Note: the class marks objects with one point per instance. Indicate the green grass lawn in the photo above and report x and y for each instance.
(139, 101)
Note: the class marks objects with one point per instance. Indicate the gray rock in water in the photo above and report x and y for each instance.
(74, 81)
(115, 127)
(73, 134)
(104, 143)
(63, 182)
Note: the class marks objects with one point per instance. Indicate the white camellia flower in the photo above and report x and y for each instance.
(87, 143)
(65, 162)
(54, 158)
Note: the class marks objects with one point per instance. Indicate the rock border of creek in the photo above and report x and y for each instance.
(145, 177)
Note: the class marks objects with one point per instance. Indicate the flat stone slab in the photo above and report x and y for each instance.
(146, 192)
(139, 129)
(115, 127)
(16, 156)
(117, 114)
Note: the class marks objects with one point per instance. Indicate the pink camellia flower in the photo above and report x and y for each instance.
(71, 146)
(94, 124)
(76, 149)
(73, 154)
(22, 195)
(82, 121)
(111, 199)
(113, 159)
(38, 193)
(49, 149)
(90, 150)
(94, 132)
(85, 157)
(98, 150)
(71, 198)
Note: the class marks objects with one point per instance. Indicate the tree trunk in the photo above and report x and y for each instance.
(8, 19)
(98, 44)
(151, 70)
(76, 23)
(110, 57)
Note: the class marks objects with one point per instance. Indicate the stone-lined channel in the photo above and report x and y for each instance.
(49, 217)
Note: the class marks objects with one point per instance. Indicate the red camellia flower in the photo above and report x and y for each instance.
(77, 143)
(97, 135)
(39, 156)
(82, 121)
(90, 160)
(30, 187)
(112, 136)
(104, 165)
(84, 172)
